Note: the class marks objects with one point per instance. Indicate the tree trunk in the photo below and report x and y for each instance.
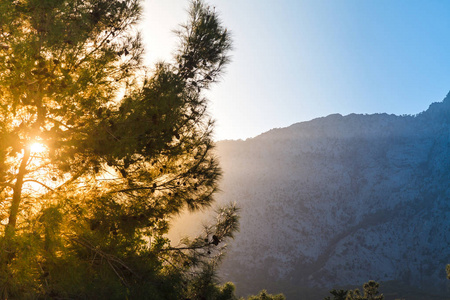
(17, 195)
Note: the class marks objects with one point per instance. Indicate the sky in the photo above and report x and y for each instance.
(296, 60)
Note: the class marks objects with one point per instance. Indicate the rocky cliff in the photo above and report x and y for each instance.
(340, 200)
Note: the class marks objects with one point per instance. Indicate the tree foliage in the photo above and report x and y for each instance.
(370, 292)
(337, 295)
(263, 295)
(126, 148)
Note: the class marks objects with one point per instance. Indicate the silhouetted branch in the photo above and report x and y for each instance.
(36, 181)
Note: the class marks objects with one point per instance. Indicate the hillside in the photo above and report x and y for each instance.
(340, 200)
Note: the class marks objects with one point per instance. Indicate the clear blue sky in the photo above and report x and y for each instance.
(296, 60)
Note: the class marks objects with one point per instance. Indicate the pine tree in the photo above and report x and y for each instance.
(337, 295)
(98, 152)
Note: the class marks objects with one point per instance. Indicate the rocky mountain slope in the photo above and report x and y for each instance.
(340, 200)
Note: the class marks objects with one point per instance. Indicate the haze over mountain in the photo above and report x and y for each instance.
(340, 200)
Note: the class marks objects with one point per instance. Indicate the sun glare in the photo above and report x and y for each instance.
(37, 148)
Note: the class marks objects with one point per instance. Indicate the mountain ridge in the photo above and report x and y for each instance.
(341, 199)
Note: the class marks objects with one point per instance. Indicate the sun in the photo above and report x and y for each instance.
(37, 147)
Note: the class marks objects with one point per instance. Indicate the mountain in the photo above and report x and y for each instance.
(341, 200)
